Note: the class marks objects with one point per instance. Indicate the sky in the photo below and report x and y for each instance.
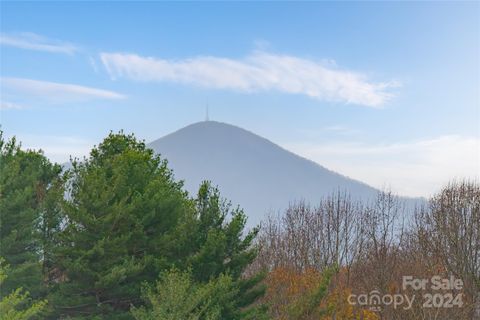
(383, 92)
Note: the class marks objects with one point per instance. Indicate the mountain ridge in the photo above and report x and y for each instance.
(209, 122)
(251, 171)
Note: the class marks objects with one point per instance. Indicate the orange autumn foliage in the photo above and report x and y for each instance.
(288, 287)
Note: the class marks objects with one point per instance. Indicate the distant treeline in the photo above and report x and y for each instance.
(117, 237)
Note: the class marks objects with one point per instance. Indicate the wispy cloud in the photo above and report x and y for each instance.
(260, 71)
(56, 92)
(416, 168)
(6, 105)
(33, 41)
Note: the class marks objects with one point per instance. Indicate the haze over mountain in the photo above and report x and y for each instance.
(249, 170)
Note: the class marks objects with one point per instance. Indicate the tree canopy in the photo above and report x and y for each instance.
(126, 220)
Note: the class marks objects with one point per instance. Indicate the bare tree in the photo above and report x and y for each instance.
(377, 266)
(448, 231)
(375, 244)
(305, 237)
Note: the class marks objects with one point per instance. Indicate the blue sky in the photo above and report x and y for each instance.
(384, 92)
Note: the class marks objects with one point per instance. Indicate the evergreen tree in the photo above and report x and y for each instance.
(126, 221)
(220, 247)
(217, 254)
(177, 296)
(26, 178)
(120, 217)
(17, 305)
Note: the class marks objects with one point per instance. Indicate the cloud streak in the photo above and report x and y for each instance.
(56, 92)
(33, 41)
(257, 72)
(415, 168)
(6, 105)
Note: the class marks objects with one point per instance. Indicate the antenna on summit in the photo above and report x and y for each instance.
(207, 117)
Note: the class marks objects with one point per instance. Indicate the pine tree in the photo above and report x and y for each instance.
(25, 181)
(126, 220)
(177, 296)
(17, 305)
(120, 217)
(216, 253)
(221, 248)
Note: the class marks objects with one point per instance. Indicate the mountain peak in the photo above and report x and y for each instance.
(253, 172)
(208, 126)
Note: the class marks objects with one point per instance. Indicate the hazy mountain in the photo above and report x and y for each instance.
(249, 170)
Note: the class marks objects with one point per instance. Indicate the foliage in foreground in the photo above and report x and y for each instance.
(375, 244)
(17, 305)
(126, 220)
(177, 296)
(116, 237)
(27, 182)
